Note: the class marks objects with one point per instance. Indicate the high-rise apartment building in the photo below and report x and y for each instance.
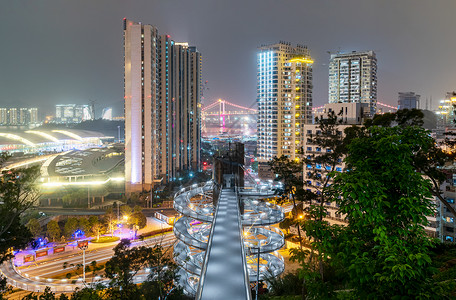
(162, 91)
(12, 115)
(18, 116)
(353, 78)
(33, 115)
(3, 116)
(284, 97)
(408, 100)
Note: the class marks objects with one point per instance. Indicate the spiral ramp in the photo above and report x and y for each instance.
(203, 236)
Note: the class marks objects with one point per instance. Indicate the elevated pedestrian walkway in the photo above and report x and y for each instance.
(224, 274)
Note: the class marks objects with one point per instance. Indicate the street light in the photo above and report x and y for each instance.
(83, 245)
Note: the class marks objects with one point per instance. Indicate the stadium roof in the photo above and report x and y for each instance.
(33, 137)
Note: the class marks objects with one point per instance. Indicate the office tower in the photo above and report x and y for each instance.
(284, 97)
(408, 100)
(353, 78)
(162, 86)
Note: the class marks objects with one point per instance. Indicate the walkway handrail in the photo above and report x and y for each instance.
(199, 291)
(244, 259)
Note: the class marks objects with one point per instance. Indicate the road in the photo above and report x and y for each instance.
(36, 276)
(148, 212)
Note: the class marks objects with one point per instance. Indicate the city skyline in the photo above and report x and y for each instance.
(404, 36)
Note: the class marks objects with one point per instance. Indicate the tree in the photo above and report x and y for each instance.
(53, 230)
(384, 247)
(70, 227)
(289, 172)
(138, 218)
(126, 211)
(428, 160)
(18, 192)
(84, 225)
(161, 280)
(95, 226)
(122, 267)
(34, 226)
(110, 220)
(286, 224)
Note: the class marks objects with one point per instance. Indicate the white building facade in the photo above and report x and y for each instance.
(353, 78)
(162, 91)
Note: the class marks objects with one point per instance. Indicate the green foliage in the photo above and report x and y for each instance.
(71, 225)
(403, 117)
(287, 284)
(84, 225)
(95, 226)
(53, 230)
(126, 263)
(34, 226)
(384, 247)
(286, 224)
(138, 218)
(5, 289)
(18, 192)
(110, 220)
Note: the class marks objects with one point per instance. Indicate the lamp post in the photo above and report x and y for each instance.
(83, 245)
(258, 270)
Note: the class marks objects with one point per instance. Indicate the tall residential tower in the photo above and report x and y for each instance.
(353, 78)
(284, 96)
(162, 87)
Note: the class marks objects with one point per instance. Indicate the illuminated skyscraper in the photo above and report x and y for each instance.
(162, 86)
(284, 96)
(353, 78)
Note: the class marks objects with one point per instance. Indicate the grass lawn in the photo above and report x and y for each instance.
(105, 239)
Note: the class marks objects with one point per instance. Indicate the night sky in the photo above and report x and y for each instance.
(66, 51)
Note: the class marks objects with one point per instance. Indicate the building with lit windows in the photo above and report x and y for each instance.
(72, 113)
(13, 116)
(3, 116)
(18, 116)
(162, 91)
(353, 78)
(446, 112)
(284, 97)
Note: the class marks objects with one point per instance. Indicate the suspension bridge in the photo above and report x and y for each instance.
(220, 110)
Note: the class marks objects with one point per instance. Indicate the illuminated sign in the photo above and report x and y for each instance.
(29, 258)
(83, 245)
(59, 249)
(41, 253)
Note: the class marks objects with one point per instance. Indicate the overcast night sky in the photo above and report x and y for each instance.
(71, 51)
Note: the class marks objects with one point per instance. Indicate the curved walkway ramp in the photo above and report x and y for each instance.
(224, 274)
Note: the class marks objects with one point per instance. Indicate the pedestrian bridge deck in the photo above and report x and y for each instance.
(225, 271)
